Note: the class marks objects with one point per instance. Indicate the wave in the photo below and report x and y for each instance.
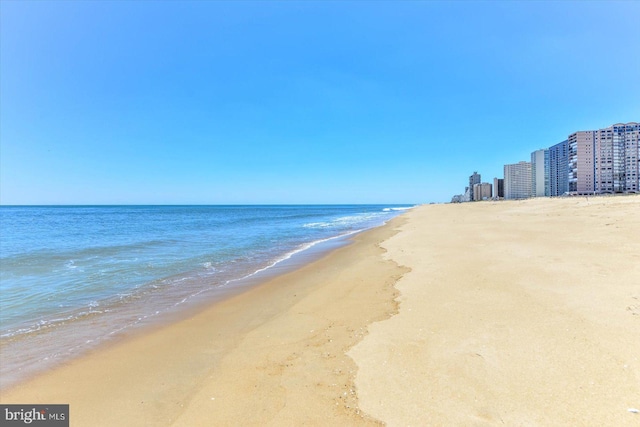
(290, 254)
(347, 221)
(42, 324)
(404, 208)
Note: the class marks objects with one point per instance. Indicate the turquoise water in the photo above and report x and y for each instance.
(72, 277)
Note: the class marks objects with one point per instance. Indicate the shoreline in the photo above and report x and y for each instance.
(179, 368)
(83, 342)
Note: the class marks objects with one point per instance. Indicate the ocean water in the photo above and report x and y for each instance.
(73, 277)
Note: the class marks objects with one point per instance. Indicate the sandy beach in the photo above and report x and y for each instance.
(519, 313)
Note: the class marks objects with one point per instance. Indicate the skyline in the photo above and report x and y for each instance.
(300, 102)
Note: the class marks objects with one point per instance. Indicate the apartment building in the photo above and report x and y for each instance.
(605, 160)
(498, 188)
(559, 169)
(517, 180)
(582, 162)
(540, 173)
(482, 191)
(631, 154)
(617, 159)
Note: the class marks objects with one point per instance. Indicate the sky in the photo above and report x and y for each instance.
(278, 102)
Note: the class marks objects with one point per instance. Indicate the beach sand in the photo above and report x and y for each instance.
(488, 313)
(518, 313)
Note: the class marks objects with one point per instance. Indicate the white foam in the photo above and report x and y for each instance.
(345, 221)
(290, 254)
(317, 225)
(404, 208)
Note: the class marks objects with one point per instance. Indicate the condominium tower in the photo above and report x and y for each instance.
(517, 180)
(559, 169)
(540, 173)
(617, 159)
(498, 188)
(582, 162)
(605, 160)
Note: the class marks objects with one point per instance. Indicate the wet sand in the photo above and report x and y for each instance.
(274, 355)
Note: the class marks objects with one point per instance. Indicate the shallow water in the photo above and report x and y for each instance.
(72, 277)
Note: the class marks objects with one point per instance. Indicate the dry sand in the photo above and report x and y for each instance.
(514, 313)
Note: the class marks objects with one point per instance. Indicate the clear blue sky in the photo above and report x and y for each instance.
(298, 102)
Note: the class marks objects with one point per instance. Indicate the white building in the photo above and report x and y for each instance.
(517, 180)
(540, 173)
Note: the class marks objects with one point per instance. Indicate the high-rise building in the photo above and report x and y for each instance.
(517, 180)
(582, 162)
(540, 173)
(608, 162)
(547, 173)
(631, 154)
(498, 188)
(605, 160)
(559, 168)
(481, 191)
(587, 162)
(617, 159)
(473, 179)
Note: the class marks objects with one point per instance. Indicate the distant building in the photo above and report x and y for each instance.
(517, 180)
(498, 188)
(631, 140)
(617, 159)
(588, 162)
(540, 173)
(582, 162)
(559, 169)
(473, 180)
(481, 191)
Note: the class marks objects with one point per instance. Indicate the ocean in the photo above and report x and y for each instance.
(74, 277)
